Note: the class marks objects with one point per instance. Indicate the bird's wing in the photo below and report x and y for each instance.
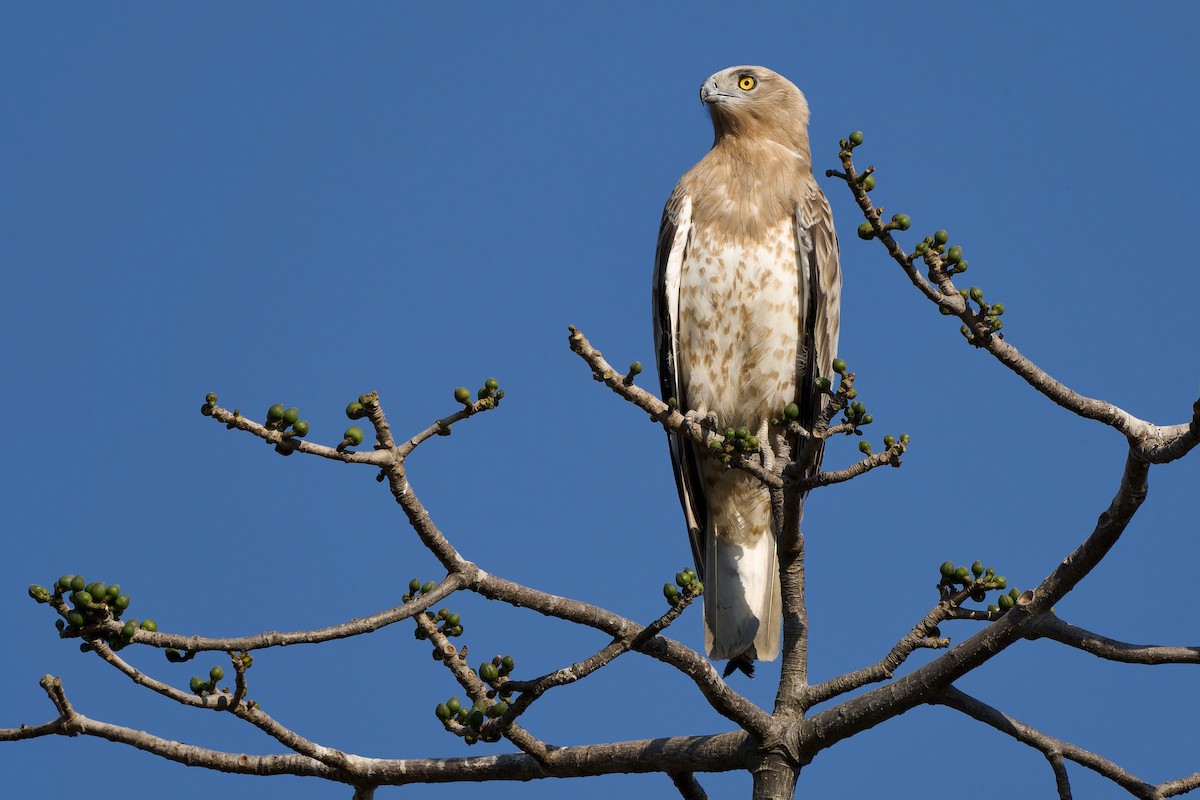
(820, 300)
(674, 238)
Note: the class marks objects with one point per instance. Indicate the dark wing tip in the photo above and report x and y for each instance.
(743, 664)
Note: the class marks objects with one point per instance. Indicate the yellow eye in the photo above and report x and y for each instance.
(746, 83)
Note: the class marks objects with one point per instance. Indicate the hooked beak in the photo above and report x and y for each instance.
(709, 93)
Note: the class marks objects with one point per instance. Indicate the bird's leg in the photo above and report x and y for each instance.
(706, 419)
(783, 449)
(765, 452)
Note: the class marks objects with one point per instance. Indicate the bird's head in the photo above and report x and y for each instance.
(754, 101)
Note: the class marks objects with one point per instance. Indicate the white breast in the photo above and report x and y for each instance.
(739, 325)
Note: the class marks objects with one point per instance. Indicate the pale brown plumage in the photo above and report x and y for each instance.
(746, 298)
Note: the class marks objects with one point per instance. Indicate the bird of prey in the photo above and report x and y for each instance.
(746, 305)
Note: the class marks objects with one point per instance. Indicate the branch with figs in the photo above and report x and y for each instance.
(494, 697)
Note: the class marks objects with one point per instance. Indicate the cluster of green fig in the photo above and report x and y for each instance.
(90, 603)
(845, 385)
(899, 222)
(495, 674)
(286, 420)
(353, 435)
(980, 580)
(472, 717)
(686, 582)
(450, 623)
(939, 244)
(866, 180)
(856, 412)
(991, 312)
(202, 687)
(954, 263)
(737, 440)
(889, 442)
(489, 395)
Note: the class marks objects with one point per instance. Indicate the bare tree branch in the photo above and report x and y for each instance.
(1062, 781)
(724, 700)
(533, 689)
(677, 755)
(689, 788)
(789, 546)
(890, 457)
(223, 701)
(1180, 785)
(1050, 626)
(867, 710)
(885, 668)
(953, 698)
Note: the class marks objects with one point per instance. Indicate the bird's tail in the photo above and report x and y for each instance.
(742, 606)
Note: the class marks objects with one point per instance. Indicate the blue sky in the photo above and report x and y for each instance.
(301, 202)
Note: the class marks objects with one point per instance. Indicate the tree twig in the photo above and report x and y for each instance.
(268, 639)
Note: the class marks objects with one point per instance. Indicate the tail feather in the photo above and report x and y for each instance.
(742, 605)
